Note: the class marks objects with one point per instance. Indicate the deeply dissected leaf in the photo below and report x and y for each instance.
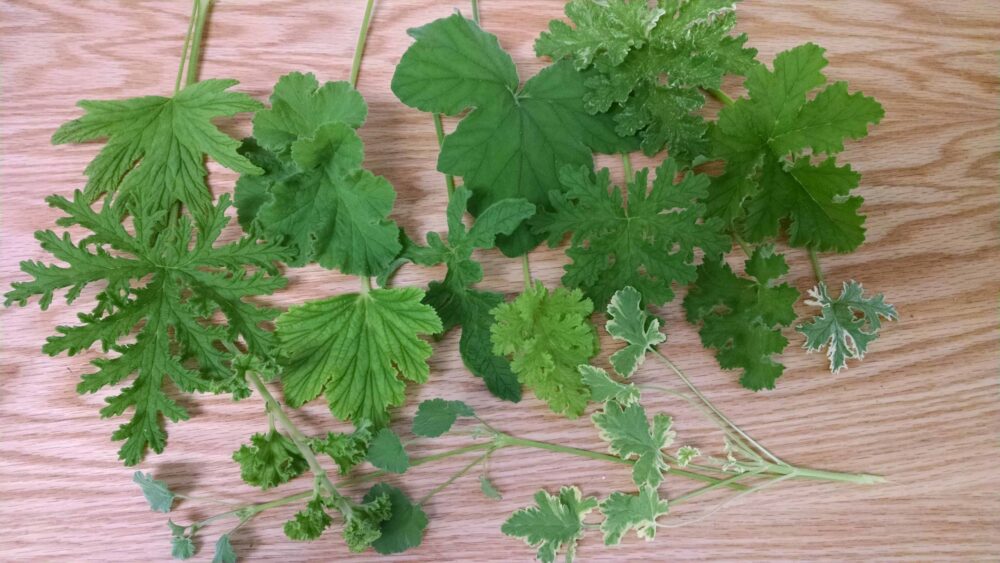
(646, 241)
(405, 526)
(515, 140)
(157, 493)
(548, 336)
(163, 281)
(846, 325)
(156, 146)
(455, 300)
(270, 460)
(629, 434)
(387, 452)
(650, 63)
(623, 512)
(314, 195)
(629, 321)
(436, 416)
(769, 141)
(742, 318)
(354, 348)
(554, 524)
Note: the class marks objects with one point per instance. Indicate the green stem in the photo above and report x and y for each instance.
(708, 488)
(449, 180)
(504, 440)
(627, 164)
(823, 475)
(299, 439)
(187, 46)
(366, 285)
(720, 95)
(457, 475)
(359, 49)
(722, 418)
(475, 11)
(526, 269)
(194, 56)
(814, 260)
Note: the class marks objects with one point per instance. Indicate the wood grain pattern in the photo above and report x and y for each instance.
(922, 409)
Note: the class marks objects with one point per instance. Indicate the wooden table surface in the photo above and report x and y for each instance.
(922, 409)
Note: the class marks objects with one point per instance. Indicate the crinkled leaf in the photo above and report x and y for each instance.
(650, 63)
(364, 524)
(270, 460)
(629, 435)
(347, 450)
(163, 284)
(514, 142)
(554, 524)
(436, 416)
(548, 336)
(156, 146)
(742, 318)
(309, 523)
(647, 241)
(404, 529)
(299, 105)
(623, 512)
(387, 452)
(354, 348)
(157, 493)
(767, 140)
(846, 325)
(604, 389)
(629, 321)
(314, 195)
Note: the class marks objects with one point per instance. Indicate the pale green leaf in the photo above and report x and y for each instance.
(554, 524)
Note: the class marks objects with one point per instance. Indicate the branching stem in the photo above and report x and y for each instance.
(296, 435)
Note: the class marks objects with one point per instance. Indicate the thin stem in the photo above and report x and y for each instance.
(716, 411)
(449, 180)
(814, 260)
(720, 95)
(194, 55)
(366, 285)
(708, 488)
(725, 503)
(475, 11)
(458, 474)
(824, 475)
(295, 434)
(526, 269)
(503, 440)
(359, 49)
(627, 164)
(187, 46)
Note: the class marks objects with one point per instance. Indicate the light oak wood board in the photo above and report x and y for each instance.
(922, 409)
